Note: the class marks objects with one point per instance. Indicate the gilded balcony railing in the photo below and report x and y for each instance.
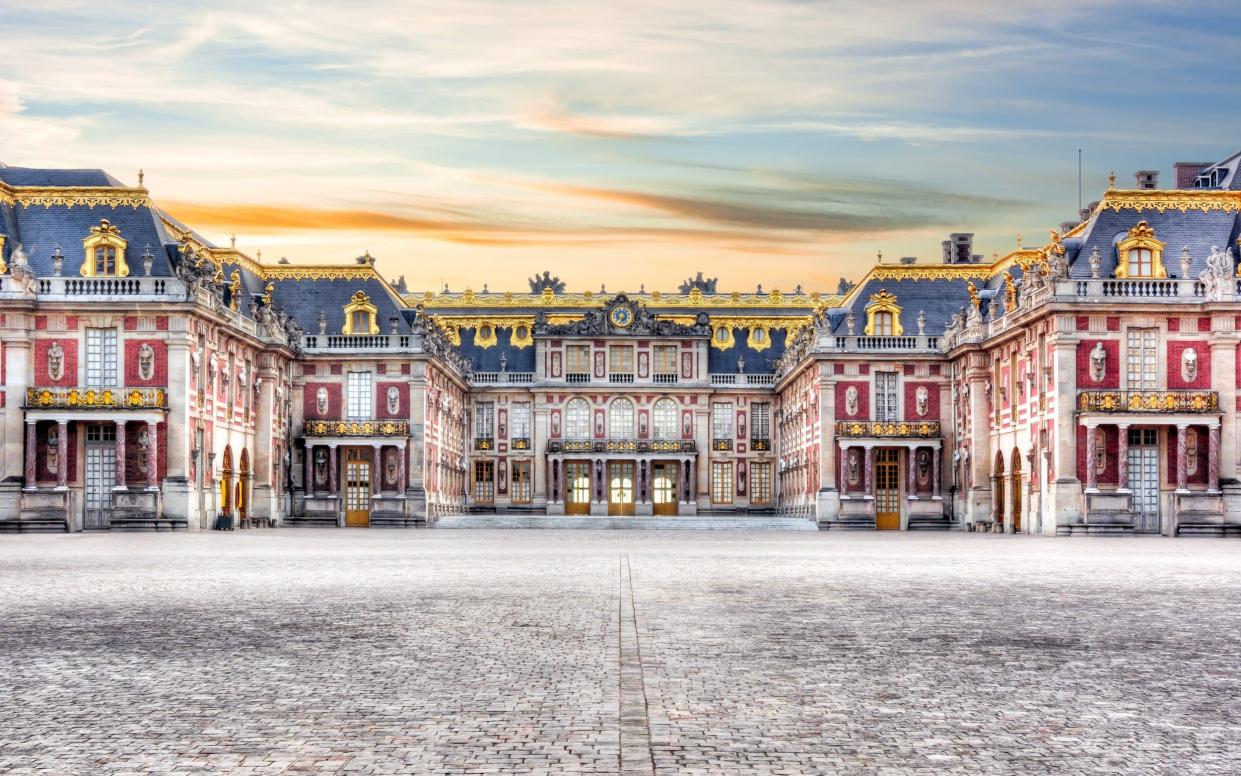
(889, 429)
(621, 446)
(97, 398)
(1148, 401)
(356, 428)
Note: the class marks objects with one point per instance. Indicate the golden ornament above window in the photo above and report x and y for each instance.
(104, 252)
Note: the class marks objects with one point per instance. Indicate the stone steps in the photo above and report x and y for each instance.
(1205, 524)
(146, 521)
(396, 520)
(630, 523)
(312, 520)
(37, 521)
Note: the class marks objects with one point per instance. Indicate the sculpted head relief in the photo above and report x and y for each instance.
(1189, 365)
(1098, 363)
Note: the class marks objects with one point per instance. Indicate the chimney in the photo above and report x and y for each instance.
(1147, 179)
(909, 260)
(959, 248)
(1065, 226)
(1187, 173)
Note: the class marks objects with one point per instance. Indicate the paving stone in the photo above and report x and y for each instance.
(576, 652)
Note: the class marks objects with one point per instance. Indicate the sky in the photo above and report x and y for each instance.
(625, 145)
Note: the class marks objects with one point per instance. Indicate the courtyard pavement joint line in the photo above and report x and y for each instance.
(636, 758)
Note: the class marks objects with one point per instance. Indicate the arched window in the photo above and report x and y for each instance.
(577, 419)
(665, 415)
(360, 315)
(883, 316)
(620, 419)
(1140, 254)
(1140, 263)
(883, 324)
(105, 252)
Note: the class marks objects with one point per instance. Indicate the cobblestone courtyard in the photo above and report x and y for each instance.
(428, 652)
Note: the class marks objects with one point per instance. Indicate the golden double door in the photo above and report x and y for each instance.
(358, 473)
(620, 487)
(887, 490)
(664, 487)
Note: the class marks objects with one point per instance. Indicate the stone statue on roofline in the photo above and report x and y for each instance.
(23, 275)
(704, 285)
(843, 287)
(540, 284)
(1217, 277)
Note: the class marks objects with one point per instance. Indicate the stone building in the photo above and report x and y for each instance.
(1087, 384)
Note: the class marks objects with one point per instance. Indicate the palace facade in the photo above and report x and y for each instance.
(1087, 384)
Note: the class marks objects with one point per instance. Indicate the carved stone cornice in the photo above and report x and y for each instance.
(622, 316)
(1182, 200)
(74, 196)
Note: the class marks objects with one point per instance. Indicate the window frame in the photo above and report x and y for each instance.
(570, 432)
(722, 420)
(721, 482)
(359, 395)
(665, 412)
(621, 416)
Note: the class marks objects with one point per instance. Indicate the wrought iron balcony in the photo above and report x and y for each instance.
(356, 428)
(621, 446)
(1148, 401)
(760, 444)
(484, 443)
(96, 398)
(889, 429)
(520, 443)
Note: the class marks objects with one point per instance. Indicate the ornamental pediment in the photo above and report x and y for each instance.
(622, 316)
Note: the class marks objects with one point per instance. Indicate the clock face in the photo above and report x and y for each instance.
(621, 317)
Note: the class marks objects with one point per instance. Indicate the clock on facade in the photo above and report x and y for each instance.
(621, 317)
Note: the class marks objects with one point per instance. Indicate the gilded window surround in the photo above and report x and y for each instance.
(360, 303)
(1141, 236)
(883, 302)
(452, 326)
(789, 324)
(104, 236)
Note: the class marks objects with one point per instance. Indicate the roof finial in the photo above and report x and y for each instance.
(232, 240)
(1111, 180)
(1018, 242)
(880, 256)
(258, 255)
(141, 175)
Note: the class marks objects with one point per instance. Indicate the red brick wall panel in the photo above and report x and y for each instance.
(911, 401)
(381, 399)
(69, 374)
(1176, 380)
(863, 400)
(1111, 378)
(159, 372)
(310, 407)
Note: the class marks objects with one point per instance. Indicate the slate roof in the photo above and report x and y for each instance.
(940, 299)
(40, 229)
(488, 359)
(1227, 170)
(33, 176)
(756, 361)
(1193, 228)
(303, 299)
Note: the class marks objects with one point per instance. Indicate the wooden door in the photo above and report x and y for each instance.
(357, 487)
(620, 488)
(887, 490)
(1015, 482)
(664, 487)
(577, 487)
(1144, 478)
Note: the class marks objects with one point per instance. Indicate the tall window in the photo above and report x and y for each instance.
(620, 359)
(721, 420)
(665, 417)
(722, 482)
(1141, 263)
(760, 420)
(519, 423)
(361, 321)
(620, 419)
(105, 260)
(100, 358)
(484, 420)
(485, 481)
(577, 359)
(521, 482)
(886, 405)
(359, 396)
(760, 483)
(883, 324)
(577, 419)
(665, 359)
(1142, 361)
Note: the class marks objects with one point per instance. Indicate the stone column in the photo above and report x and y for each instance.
(62, 454)
(844, 471)
(867, 473)
(308, 466)
(1182, 458)
(17, 371)
(1092, 470)
(1224, 380)
(911, 472)
(377, 468)
(152, 456)
(1122, 452)
(936, 453)
(331, 469)
(400, 470)
(1213, 434)
(120, 455)
(32, 448)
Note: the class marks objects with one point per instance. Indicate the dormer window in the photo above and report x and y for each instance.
(883, 316)
(1139, 254)
(104, 252)
(360, 315)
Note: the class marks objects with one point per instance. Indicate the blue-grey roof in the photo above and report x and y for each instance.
(1194, 228)
(488, 359)
(756, 361)
(40, 229)
(303, 299)
(940, 299)
(32, 176)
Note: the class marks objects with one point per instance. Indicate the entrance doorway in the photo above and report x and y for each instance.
(577, 487)
(226, 481)
(620, 488)
(243, 487)
(887, 490)
(100, 475)
(357, 487)
(664, 487)
(1015, 482)
(997, 511)
(1144, 478)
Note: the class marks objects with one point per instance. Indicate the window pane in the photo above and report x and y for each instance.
(484, 420)
(358, 396)
(665, 359)
(722, 482)
(760, 420)
(577, 420)
(520, 423)
(577, 358)
(721, 420)
(620, 419)
(665, 415)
